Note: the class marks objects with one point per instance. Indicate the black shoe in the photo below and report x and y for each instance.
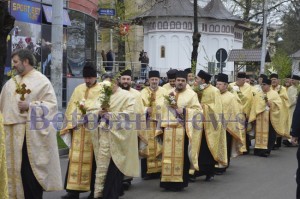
(192, 178)
(209, 178)
(287, 143)
(71, 195)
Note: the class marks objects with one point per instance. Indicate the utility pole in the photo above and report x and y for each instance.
(57, 50)
(264, 39)
(196, 39)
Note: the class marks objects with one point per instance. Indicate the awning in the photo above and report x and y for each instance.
(48, 14)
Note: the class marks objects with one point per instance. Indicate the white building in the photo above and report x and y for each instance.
(168, 30)
(296, 63)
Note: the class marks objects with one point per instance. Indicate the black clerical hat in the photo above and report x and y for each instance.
(126, 73)
(241, 75)
(154, 73)
(181, 74)
(295, 77)
(222, 78)
(263, 76)
(273, 75)
(204, 75)
(89, 70)
(266, 81)
(188, 70)
(172, 73)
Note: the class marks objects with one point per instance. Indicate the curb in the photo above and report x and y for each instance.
(64, 151)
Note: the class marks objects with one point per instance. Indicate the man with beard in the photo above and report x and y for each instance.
(181, 138)
(245, 92)
(125, 83)
(191, 77)
(80, 176)
(213, 139)
(266, 111)
(234, 120)
(28, 102)
(171, 74)
(116, 145)
(285, 113)
(153, 100)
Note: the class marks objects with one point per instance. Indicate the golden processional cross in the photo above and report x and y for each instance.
(22, 91)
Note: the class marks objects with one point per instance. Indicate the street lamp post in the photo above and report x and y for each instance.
(264, 39)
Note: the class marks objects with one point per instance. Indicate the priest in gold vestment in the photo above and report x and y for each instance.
(234, 120)
(285, 113)
(125, 82)
(116, 142)
(80, 176)
(153, 100)
(3, 169)
(213, 147)
(266, 110)
(181, 136)
(245, 92)
(28, 104)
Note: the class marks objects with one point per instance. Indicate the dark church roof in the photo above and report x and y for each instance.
(296, 54)
(184, 8)
(215, 9)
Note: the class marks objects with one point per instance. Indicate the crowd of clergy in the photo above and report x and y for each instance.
(176, 133)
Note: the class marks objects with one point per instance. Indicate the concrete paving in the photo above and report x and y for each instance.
(249, 177)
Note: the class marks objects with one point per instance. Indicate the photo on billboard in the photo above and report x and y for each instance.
(27, 36)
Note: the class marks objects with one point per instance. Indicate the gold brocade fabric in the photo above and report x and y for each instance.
(123, 139)
(173, 155)
(285, 112)
(174, 135)
(247, 93)
(3, 169)
(259, 106)
(168, 87)
(292, 95)
(152, 131)
(234, 120)
(81, 159)
(214, 131)
(41, 138)
(80, 142)
(262, 130)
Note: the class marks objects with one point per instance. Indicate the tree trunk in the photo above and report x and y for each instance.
(196, 39)
(6, 25)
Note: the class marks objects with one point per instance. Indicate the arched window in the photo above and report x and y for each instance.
(162, 52)
(223, 29)
(165, 25)
(154, 26)
(159, 25)
(217, 28)
(178, 25)
(172, 25)
(211, 28)
(190, 25)
(228, 29)
(184, 25)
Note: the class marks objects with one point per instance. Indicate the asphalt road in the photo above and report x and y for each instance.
(249, 177)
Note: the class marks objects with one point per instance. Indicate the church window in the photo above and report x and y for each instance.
(232, 29)
(172, 25)
(159, 25)
(178, 25)
(184, 25)
(211, 28)
(190, 25)
(165, 25)
(162, 52)
(217, 28)
(228, 29)
(223, 29)
(154, 26)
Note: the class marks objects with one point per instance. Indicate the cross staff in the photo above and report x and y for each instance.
(22, 91)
